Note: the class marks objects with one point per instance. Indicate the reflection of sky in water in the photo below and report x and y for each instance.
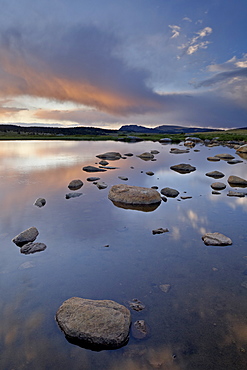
(202, 316)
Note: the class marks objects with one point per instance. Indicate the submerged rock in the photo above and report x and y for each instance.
(93, 169)
(26, 236)
(140, 329)
(75, 184)
(215, 174)
(216, 239)
(168, 192)
(136, 305)
(133, 195)
(110, 156)
(165, 287)
(95, 324)
(237, 181)
(183, 168)
(32, 248)
(40, 202)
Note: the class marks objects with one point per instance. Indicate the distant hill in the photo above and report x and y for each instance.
(164, 129)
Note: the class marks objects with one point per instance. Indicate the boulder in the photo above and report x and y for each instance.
(225, 156)
(26, 236)
(146, 156)
(40, 202)
(215, 174)
(95, 324)
(136, 195)
(93, 169)
(218, 186)
(242, 149)
(32, 248)
(110, 156)
(75, 184)
(168, 192)
(237, 181)
(216, 239)
(183, 168)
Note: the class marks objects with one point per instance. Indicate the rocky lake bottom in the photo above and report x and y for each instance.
(188, 300)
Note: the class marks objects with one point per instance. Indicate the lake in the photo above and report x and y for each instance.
(200, 323)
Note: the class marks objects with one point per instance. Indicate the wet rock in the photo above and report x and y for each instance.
(93, 179)
(168, 192)
(72, 195)
(40, 202)
(178, 151)
(235, 194)
(213, 159)
(95, 324)
(237, 181)
(140, 329)
(183, 168)
(93, 169)
(150, 173)
(234, 161)
(160, 231)
(215, 174)
(216, 239)
(242, 149)
(123, 178)
(225, 156)
(110, 156)
(30, 248)
(136, 305)
(75, 184)
(146, 156)
(165, 287)
(218, 186)
(26, 236)
(103, 163)
(133, 195)
(101, 185)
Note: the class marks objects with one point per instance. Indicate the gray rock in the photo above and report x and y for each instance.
(26, 236)
(215, 174)
(154, 152)
(96, 324)
(168, 192)
(216, 239)
(213, 159)
(93, 169)
(72, 195)
(146, 156)
(101, 185)
(237, 181)
(75, 184)
(123, 178)
(235, 194)
(218, 186)
(193, 138)
(133, 195)
(32, 248)
(224, 156)
(40, 202)
(93, 179)
(110, 156)
(183, 168)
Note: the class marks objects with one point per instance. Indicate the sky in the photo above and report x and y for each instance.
(117, 62)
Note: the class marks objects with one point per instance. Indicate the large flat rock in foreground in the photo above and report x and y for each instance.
(127, 194)
(95, 324)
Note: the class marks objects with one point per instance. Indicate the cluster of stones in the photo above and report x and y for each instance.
(25, 240)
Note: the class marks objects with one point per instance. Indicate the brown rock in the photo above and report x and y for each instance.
(237, 181)
(127, 194)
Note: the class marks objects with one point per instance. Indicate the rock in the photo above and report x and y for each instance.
(95, 324)
(136, 305)
(133, 195)
(218, 186)
(72, 195)
(237, 181)
(165, 287)
(189, 143)
(40, 202)
(101, 185)
(225, 156)
(242, 149)
(164, 199)
(215, 174)
(183, 168)
(178, 151)
(110, 156)
(150, 173)
(155, 187)
(129, 154)
(140, 329)
(109, 167)
(103, 163)
(184, 197)
(192, 138)
(93, 169)
(216, 192)
(235, 194)
(26, 236)
(213, 159)
(168, 192)
(234, 161)
(123, 178)
(32, 248)
(75, 184)
(93, 179)
(165, 140)
(160, 231)
(216, 239)
(154, 152)
(146, 156)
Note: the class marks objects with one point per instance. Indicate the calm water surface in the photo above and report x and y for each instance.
(200, 323)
